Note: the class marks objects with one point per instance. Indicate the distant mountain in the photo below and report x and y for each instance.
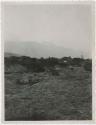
(37, 49)
(6, 54)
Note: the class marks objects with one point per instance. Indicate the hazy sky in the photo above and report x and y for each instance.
(61, 24)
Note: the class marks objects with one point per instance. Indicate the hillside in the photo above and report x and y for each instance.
(54, 91)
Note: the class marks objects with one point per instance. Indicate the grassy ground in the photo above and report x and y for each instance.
(62, 96)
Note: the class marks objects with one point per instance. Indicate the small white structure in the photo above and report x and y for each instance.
(65, 61)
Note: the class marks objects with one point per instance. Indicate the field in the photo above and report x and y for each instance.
(59, 93)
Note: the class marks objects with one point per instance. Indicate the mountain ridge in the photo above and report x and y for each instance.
(37, 49)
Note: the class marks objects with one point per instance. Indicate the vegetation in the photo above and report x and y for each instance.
(39, 65)
(88, 65)
(48, 88)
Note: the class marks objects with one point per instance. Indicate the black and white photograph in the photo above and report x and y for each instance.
(47, 61)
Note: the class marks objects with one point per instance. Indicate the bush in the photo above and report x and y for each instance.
(77, 61)
(88, 65)
(54, 72)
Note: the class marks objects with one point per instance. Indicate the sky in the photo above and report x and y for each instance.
(66, 25)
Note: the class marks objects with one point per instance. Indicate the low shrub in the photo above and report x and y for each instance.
(88, 65)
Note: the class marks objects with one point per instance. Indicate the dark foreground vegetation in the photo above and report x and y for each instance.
(40, 65)
(48, 89)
